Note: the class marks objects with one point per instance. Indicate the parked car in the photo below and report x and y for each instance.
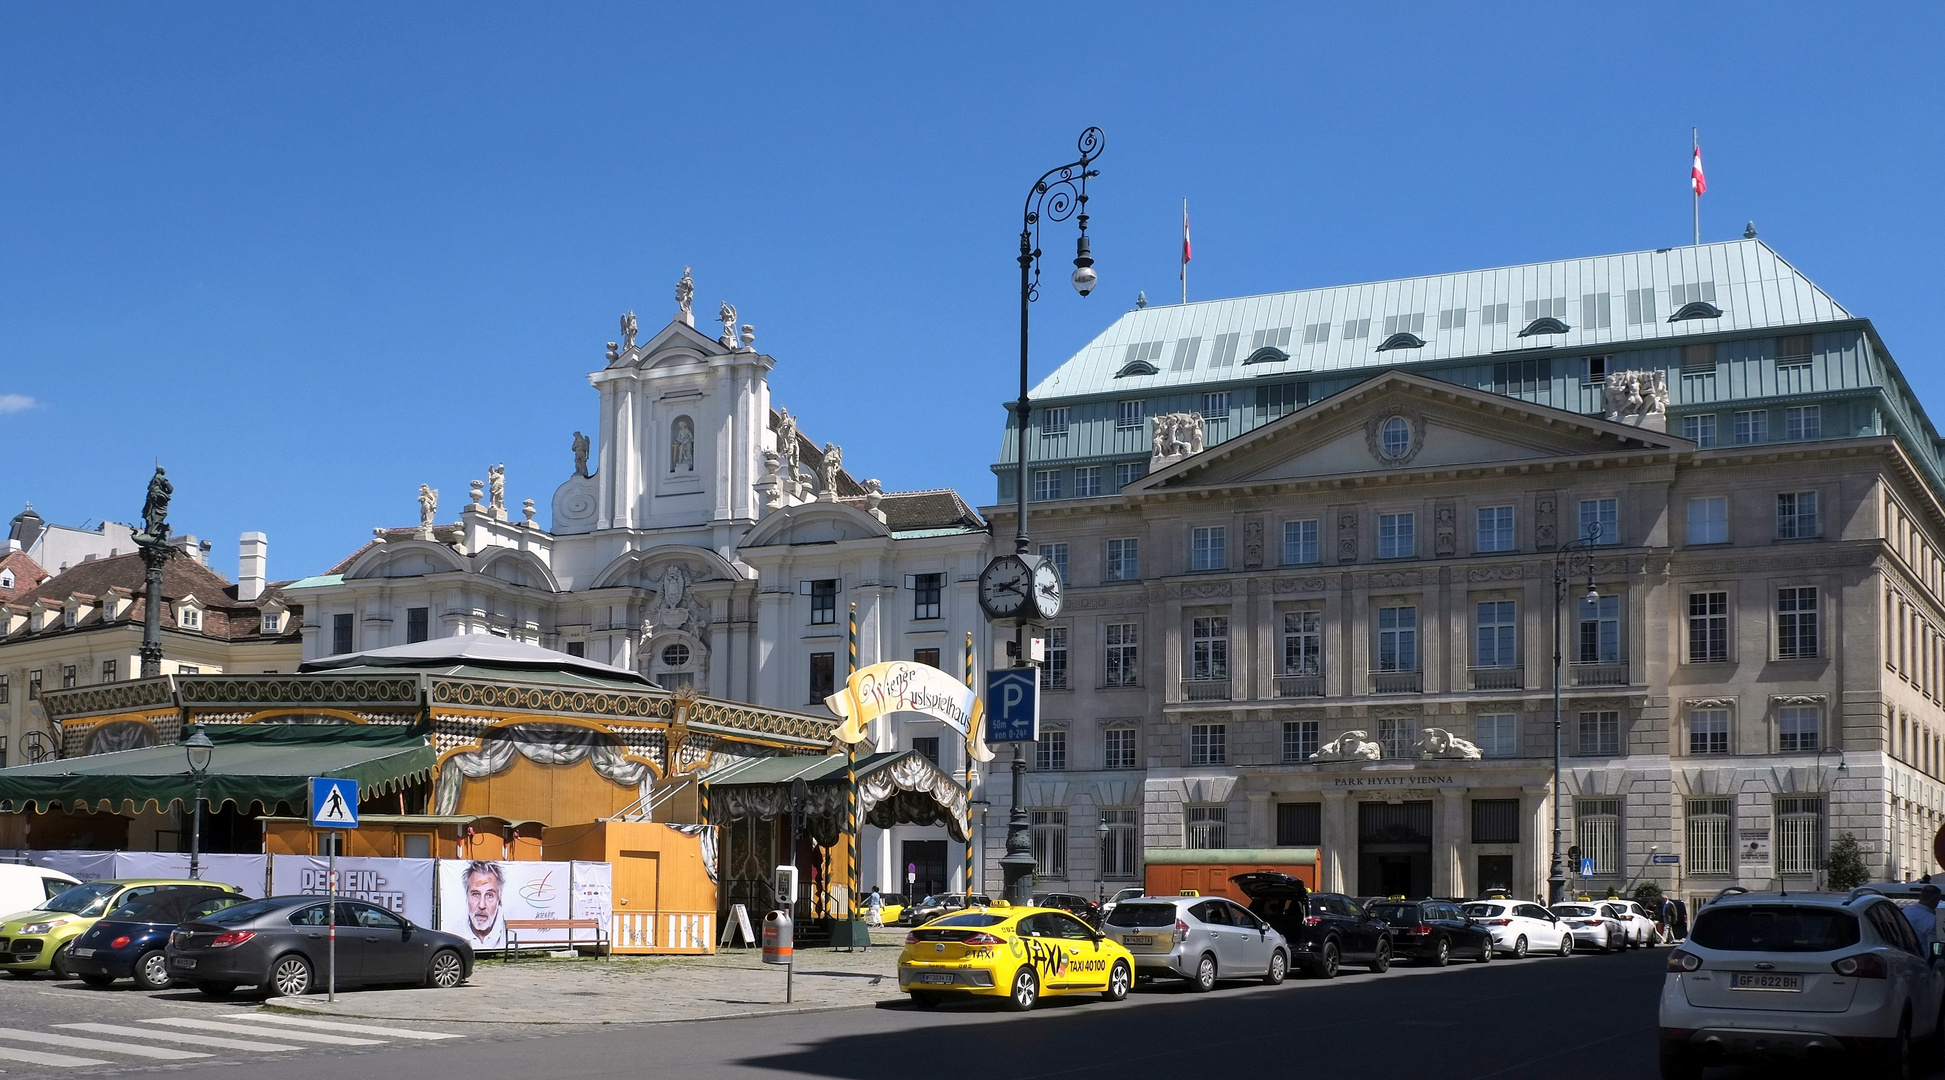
(280, 944)
(1073, 903)
(1432, 931)
(35, 941)
(1519, 927)
(1019, 954)
(1801, 974)
(932, 907)
(1199, 938)
(1594, 925)
(23, 887)
(1635, 919)
(1325, 930)
(1120, 894)
(130, 942)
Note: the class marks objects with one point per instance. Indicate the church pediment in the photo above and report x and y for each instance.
(1398, 422)
(815, 523)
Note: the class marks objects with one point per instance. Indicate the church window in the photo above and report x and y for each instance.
(676, 655)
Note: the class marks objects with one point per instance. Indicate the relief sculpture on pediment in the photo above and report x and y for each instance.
(1347, 536)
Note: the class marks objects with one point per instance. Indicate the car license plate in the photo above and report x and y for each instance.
(83, 952)
(183, 961)
(931, 978)
(1138, 939)
(1759, 980)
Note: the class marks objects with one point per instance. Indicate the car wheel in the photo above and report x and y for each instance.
(1441, 953)
(1381, 960)
(1279, 968)
(1486, 952)
(152, 970)
(1327, 961)
(1680, 1065)
(446, 971)
(59, 965)
(1519, 948)
(215, 989)
(290, 976)
(1204, 979)
(1932, 1058)
(1898, 1061)
(925, 999)
(1566, 944)
(98, 981)
(1026, 990)
(1118, 982)
(1607, 943)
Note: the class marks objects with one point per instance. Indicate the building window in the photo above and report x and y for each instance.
(68, 616)
(34, 685)
(1056, 554)
(1796, 515)
(69, 676)
(189, 669)
(928, 657)
(1087, 482)
(823, 673)
(1053, 421)
(1803, 422)
(270, 622)
(1603, 514)
(1316, 333)
(1120, 844)
(1397, 537)
(1209, 647)
(1303, 643)
(1398, 737)
(1452, 318)
(1600, 734)
(577, 648)
(1299, 824)
(1752, 426)
(1699, 430)
(1796, 729)
(1495, 821)
(1127, 415)
(1300, 740)
(187, 618)
(1209, 825)
(1597, 832)
(1495, 314)
(1124, 654)
(1708, 731)
(418, 624)
(1050, 843)
(927, 747)
(1499, 736)
(927, 592)
(1394, 437)
(1496, 635)
(1050, 752)
(1708, 628)
(1118, 748)
(1053, 670)
(1046, 484)
(1357, 329)
(675, 655)
(1600, 631)
(1796, 623)
(1127, 473)
(1208, 745)
(1209, 548)
(1299, 542)
(1709, 849)
(1799, 835)
(1215, 407)
(109, 670)
(340, 634)
(1123, 560)
(823, 602)
(1495, 528)
(1398, 639)
(1641, 306)
(6, 689)
(1708, 520)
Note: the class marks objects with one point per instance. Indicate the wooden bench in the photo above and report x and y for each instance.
(602, 945)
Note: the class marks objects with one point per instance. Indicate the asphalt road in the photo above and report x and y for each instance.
(1589, 1017)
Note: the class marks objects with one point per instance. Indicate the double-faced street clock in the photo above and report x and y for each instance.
(1022, 587)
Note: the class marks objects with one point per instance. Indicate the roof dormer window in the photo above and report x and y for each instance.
(273, 622)
(1697, 309)
(189, 617)
(70, 615)
(7, 580)
(1402, 340)
(1546, 324)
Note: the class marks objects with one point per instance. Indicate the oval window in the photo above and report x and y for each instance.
(1395, 437)
(676, 655)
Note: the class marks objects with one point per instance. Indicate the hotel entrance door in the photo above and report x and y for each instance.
(1394, 849)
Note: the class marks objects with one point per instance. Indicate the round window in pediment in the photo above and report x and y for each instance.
(675, 656)
(1395, 437)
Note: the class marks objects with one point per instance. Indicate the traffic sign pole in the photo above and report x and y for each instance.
(334, 805)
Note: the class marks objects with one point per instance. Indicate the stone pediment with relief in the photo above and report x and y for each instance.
(1404, 423)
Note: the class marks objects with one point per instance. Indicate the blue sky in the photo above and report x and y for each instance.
(310, 256)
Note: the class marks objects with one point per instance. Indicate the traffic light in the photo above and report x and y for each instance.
(1573, 855)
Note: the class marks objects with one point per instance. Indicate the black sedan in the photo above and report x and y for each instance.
(1074, 904)
(1324, 929)
(281, 944)
(128, 942)
(1433, 931)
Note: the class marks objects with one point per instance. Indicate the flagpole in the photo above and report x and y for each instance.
(1185, 250)
(1695, 148)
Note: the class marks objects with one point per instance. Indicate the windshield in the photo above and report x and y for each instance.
(242, 913)
(1142, 915)
(1394, 913)
(1581, 910)
(1774, 928)
(87, 901)
(1482, 911)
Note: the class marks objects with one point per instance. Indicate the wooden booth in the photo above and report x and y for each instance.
(1206, 871)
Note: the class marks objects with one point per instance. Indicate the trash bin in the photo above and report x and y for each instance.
(778, 936)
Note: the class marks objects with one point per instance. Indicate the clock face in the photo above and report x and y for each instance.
(1005, 587)
(1046, 589)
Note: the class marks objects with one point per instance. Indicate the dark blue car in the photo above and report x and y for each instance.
(129, 941)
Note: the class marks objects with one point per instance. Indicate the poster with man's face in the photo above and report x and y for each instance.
(477, 897)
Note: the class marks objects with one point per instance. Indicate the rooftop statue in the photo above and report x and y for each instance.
(685, 294)
(155, 508)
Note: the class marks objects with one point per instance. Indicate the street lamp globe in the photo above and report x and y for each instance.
(1593, 594)
(199, 750)
(1084, 277)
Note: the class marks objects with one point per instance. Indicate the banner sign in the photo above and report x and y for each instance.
(594, 889)
(246, 872)
(903, 686)
(477, 897)
(401, 886)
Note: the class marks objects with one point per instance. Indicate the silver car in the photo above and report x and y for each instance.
(1198, 938)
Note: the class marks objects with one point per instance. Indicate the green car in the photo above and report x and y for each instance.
(35, 941)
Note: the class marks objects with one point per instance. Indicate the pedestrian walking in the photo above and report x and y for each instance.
(874, 908)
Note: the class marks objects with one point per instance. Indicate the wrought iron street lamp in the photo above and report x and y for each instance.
(199, 750)
(1572, 559)
(1829, 795)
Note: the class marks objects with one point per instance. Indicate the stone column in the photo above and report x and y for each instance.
(1340, 843)
(1536, 840)
(1259, 819)
(1447, 873)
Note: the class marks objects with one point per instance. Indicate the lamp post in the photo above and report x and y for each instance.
(799, 803)
(979, 803)
(1572, 558)
(1829, 792)
(199, 750)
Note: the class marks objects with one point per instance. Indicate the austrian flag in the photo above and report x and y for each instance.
(1695, 179)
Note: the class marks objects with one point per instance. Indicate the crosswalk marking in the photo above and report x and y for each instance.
(332, 1025)
(239, 1029)
(75, 1043)
(35, 1057)
(210, 1041)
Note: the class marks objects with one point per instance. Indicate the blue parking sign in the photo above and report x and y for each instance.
(1013, 705)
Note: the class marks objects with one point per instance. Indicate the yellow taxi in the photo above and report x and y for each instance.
(1014, 953)
(35, 941)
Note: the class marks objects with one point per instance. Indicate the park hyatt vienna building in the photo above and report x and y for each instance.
(1311, 539)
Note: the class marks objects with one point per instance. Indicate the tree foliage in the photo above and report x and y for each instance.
(1648, 895)
(1845, 869)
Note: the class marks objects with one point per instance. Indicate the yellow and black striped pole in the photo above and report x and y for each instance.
(969, 760)
(851, 793)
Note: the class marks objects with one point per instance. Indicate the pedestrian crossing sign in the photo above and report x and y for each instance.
(334, 803)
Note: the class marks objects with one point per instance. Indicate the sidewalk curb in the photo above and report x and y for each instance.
(789, 1010)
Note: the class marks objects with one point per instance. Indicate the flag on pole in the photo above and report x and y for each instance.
(1185, 239)
(1695, 178)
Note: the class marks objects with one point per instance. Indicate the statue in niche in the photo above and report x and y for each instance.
(628, 329)
(581, 448)
(496, 484)
(682, 445)
(685, 294)
(428, 506)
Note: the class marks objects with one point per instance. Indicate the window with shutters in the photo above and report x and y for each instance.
(1698, 359)
(1495, 821)
(1597, 832)
(1710, 850)
(1799, 835)
(1792, 349)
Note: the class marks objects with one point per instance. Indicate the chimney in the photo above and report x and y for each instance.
(252, 552)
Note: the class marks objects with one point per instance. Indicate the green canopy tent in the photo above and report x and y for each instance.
(253, 763)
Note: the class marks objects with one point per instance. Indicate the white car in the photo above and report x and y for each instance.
(1802, 974)
(1519, 927)
(1594, 924)
(1636, 921)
